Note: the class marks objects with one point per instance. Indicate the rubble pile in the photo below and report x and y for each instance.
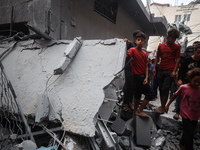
(137, 133)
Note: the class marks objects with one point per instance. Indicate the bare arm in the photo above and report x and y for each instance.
(171, 100)
(155, 63)
(173, 74)
(146, 78)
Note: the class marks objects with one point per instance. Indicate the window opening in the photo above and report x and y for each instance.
(5, 29)
(186, 17)
(107, 8)
(177, 18)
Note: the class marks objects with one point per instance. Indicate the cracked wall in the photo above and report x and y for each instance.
(74, 96)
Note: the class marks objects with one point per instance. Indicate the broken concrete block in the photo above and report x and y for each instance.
(118, 126)
(25, 145)
(124, 142)
(155, 116)
(143, 131)
(13, 137)
(69, 54)
(109, 41)
(62, 65)
(129, 128)
(159, 141)
(73, 48)
(42, 111)
(122, 127)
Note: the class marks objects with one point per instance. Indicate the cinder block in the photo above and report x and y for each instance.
(122, 127)
(118, 126)
(143, 131)
(124, 142)
(155, 116)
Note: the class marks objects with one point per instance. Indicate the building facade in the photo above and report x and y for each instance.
(90, 19)
(184, 14)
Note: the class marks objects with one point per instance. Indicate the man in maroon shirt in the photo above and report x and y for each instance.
(169, 52)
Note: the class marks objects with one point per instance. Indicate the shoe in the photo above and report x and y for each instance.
(176, 116)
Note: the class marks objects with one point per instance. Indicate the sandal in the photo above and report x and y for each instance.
(158, 110)
(126, 108)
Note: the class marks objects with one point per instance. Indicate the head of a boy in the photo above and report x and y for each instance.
(172, 35)
(135, 33)
(140, 40)
(196, 43)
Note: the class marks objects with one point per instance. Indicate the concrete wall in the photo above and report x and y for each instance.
(32, 12)
(68, 18)
(79, 19)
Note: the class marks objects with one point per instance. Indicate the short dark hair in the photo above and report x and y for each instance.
(196, 42)
(136, 32)
(192, 73)
(141, 34)
(174, 33)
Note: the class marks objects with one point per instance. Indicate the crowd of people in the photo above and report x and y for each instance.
(176, 75)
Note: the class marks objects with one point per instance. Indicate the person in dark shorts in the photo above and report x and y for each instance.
(139, 70)
(169, 52)
(129, 86)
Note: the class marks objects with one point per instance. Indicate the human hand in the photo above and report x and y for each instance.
(166, 109)
(154, 71)
(126, 40)
(173, 74)
(145, 81)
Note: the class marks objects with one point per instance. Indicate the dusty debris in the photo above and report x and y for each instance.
(73, 104)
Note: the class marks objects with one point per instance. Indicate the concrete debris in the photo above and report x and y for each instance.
(69, 54)
(38, 32)
(86, 99)
(108, 42)
(143, 131)
(25, 145)
(42, 111)
(124, 142)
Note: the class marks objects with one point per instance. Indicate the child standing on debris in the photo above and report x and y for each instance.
(129, 86)
(139, 69)
(169, 52)
(189, 107)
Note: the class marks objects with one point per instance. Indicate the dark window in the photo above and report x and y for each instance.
(186, 17)
(10, 30)
(107, 8)
(177, 18)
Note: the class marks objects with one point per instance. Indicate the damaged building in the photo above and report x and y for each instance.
(62, 75)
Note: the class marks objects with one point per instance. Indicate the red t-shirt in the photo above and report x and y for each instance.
(189, 102)
(138, 65)
(168, 55)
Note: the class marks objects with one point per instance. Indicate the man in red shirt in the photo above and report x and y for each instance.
(169, 52)
(139, 70)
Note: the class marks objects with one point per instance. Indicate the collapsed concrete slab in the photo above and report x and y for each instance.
(75, 96)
